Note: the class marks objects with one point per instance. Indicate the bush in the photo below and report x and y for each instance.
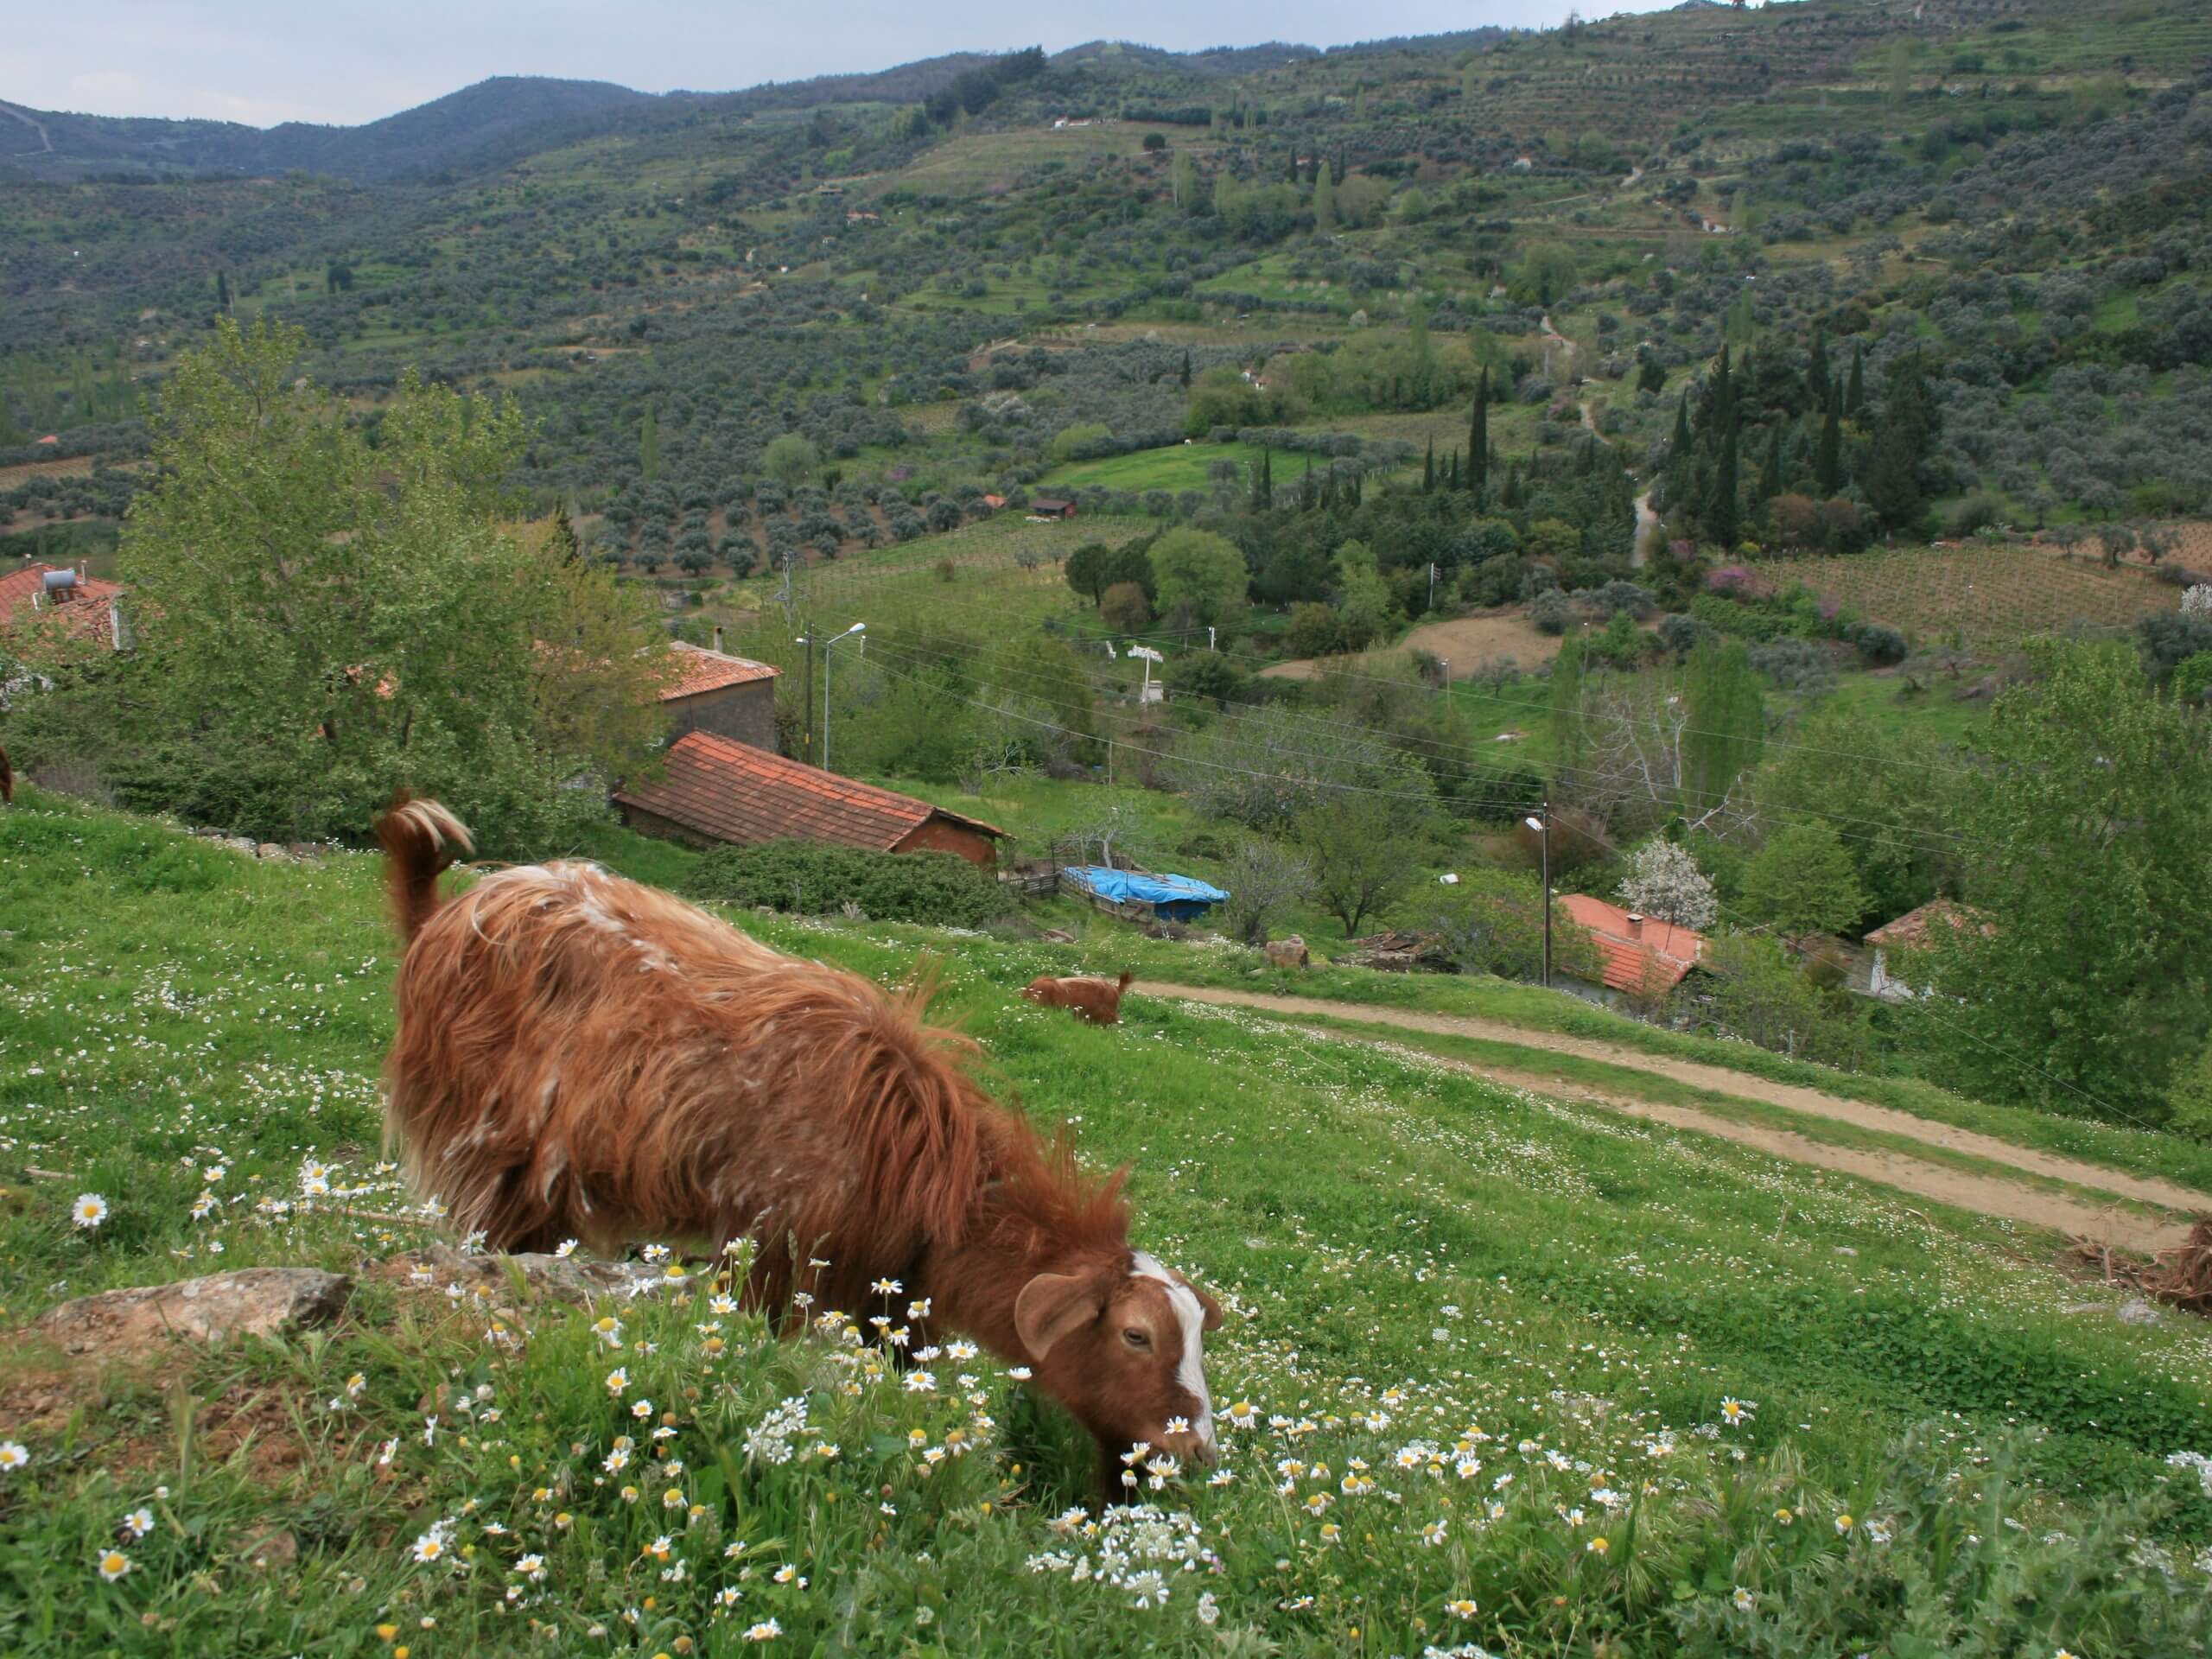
(1879, 643)
(1551, 611)
(937, 889)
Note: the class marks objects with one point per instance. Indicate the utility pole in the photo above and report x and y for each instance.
(1432, 585)
(807, 639)
(1543, 829)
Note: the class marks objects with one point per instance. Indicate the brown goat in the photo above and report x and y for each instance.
(1098, 1000)
(7, 779)
(581, 1055)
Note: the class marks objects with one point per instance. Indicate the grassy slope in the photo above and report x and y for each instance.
(1408, 1255)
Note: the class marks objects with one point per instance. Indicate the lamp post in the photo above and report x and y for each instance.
(811, 642)
(1543, 828)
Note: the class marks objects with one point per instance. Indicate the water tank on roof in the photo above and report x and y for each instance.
(60, 582)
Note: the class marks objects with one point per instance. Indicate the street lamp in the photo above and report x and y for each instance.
(1543, 828)
(811, 642)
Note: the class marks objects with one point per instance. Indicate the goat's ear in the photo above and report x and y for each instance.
(1054, 1306)
(1212, 1308)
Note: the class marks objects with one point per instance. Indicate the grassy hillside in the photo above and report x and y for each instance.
(1488, 1344)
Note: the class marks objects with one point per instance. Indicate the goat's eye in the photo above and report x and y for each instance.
(1136, 1339)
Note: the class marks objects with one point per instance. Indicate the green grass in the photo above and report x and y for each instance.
(1414, 1264)
(1180, 466)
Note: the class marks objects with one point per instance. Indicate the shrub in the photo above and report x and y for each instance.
(1123, 607)
(1551, 611)
(1879, 643)
(1683, 634)
(937, 889)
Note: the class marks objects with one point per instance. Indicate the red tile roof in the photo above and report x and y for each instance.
(733, 793)
(699, 670)
(1910, 929)
(1656, 959)
(84, 611)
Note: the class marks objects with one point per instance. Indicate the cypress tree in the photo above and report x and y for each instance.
(1478, 443)
(1855, 395)
(1902, 438)
(1568, 730)
(1727, 723)
(1770, 475)
(1267, 478)
(1723, 517)
(1828, 467)
(1816, 373)
(1428, 468)
(1453, 484)
(222, 292)
(1186, 371)
(560, 540)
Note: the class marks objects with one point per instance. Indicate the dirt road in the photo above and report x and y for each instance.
(1985, 1194)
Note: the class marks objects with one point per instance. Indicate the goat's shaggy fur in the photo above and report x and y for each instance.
(1098, 1000)
(579, 1056)
(7, 779)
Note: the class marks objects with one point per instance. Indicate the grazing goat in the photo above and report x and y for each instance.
(581, 1055)
(7, 779)
(1288, 953)
(1098, 1000)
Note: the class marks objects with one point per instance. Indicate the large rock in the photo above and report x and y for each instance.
(254, 1302)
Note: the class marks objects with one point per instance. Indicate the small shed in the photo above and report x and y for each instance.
(1906, 934)
(713, 791)
(1050, 506)
(1139, 895)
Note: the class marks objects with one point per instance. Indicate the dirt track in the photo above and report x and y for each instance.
(1988, 1195)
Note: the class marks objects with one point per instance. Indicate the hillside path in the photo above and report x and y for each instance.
(1985, 1194)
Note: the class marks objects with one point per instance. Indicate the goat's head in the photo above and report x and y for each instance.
(1121, 1345)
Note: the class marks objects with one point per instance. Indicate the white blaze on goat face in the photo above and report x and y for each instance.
(1190, 1373)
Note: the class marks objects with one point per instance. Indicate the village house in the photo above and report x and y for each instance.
(1642, 959)
(713, 791)
(84, 605)
(1897, 939)
(730, 696)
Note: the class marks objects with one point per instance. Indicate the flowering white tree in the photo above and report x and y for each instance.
(1665, 883)
(2197, 601)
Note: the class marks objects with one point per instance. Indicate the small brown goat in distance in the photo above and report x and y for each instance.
(1098, 1000)
(7, 779)
(581, 1055)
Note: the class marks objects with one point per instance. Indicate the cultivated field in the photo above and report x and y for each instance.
(1985, 598)
(1496, 1370)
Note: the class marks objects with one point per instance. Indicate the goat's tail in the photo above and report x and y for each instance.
(7, 779)
(420, 840)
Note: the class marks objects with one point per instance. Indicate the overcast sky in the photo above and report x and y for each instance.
(263, 61)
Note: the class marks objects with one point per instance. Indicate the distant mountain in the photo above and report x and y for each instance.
(423, 139)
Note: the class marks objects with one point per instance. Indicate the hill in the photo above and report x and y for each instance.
(1505, 1370)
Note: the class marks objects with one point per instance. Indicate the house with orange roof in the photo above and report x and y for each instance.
(1893, 942)
(730, 696)
(714, 792)
(85, 606)
(1642, 959)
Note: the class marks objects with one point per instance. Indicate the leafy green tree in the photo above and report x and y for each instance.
(1203, 571)
(323, 619)
(1086, 569)
(1364, 607)
(1478, 444)
(790, 459)
(1752, 989)
(1570, 741)
(1365, 855)
(1902, 788)
(1802, 881)
(2087, 986)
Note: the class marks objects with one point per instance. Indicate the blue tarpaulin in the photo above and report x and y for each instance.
(1179, 898)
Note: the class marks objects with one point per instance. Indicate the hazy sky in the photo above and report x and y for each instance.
(263, 61)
